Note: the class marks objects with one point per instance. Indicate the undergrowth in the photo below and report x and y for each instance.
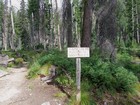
(102, 76)
(98, 76)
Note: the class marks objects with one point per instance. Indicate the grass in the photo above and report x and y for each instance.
(99, 77)
(2, 68)
(59, 95)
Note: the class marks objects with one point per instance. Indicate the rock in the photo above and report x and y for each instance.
(46, 103)
(108, 50)
(4, 59)
(45, 78)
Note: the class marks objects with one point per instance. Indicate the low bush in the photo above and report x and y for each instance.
(106, 76)
(103, 76)
(19, 61)
(11, 64)
(34, 70)
(53, 57)
(125, 80)
(86, 95)
(125, 60)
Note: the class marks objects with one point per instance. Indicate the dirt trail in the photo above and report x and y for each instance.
(15, 89)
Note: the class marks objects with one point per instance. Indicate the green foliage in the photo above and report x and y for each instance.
(23, 55)
(125, 60)
(100, 75)
(34, 70)
(125, 80)
(106, 76)
(58, 59)
(59, 95)
(9, 53)
(19, 61)
(86, 98)
(11, 64)
(53, 57)
(135, 68)
(44, 70)
(64, 81)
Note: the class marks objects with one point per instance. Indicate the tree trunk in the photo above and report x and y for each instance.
(77, 22)
(1, 22)
(57, 26)
(87, 23)
(106, 29)
(19, 44)
(50, 24)
(137, 22)
(133, 21)
(13, 28)
(5, 25)
(67, 22)
(32, 31)
(42, 23)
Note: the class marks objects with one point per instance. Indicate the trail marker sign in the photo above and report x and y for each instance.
(78, 53)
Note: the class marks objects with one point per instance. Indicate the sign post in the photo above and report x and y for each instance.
(78, 53)
(78, 79)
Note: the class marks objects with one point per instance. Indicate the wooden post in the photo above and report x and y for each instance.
(78, 80)
(78, 53)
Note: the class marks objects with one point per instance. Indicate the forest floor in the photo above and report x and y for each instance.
(15, 89)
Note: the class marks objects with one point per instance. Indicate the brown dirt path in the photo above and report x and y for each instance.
(15, 89)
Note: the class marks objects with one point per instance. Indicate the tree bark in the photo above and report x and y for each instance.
(13, 28)
(42, 23)
(32, 31)
(69, 20)
(87, 23)
(67, 23)
(133, 21)
(57, 26)
(5, 25)
(137, 22)
(107, 29)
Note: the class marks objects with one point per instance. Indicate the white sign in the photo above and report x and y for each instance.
(78, 52)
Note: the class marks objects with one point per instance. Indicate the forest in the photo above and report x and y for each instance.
(40, 31)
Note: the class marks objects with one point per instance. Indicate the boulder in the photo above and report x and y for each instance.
(4, 59)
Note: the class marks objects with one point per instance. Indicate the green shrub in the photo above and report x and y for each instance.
(58, 59)
(106, 76)
(103, 75)
(53, 57)
(11, 64)
(19, 61)
(60, 95)
(125, 80)
(44, 70)
(125, 60)
(64, 81)
(11, 54)
(34, 70)
(86, 97)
